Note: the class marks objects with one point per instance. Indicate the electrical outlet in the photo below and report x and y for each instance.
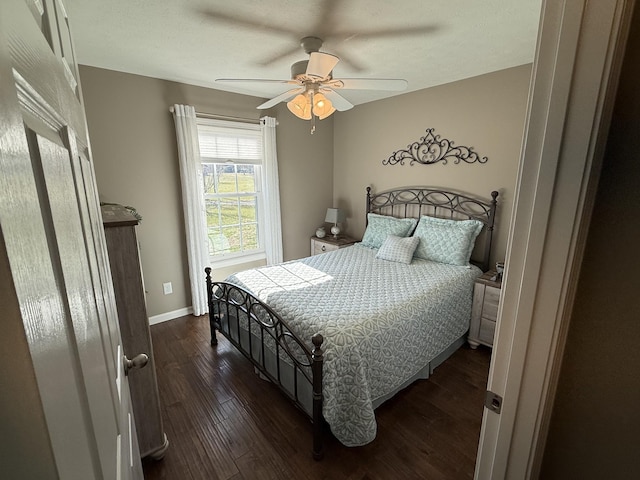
(167, 288)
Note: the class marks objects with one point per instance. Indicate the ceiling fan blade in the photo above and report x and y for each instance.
(279, 56)
(320, 64)
(404, 31)
(388, 84)
(339, 102)
(255, 80)
(281, 98)
(348, 60)
(245, 22)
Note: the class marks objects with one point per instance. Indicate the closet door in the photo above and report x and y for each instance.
(63, 377)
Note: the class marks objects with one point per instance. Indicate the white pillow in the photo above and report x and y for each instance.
(398, 249)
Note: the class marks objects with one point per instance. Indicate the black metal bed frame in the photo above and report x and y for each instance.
(244, 319)
(233, 302)
(418, 201)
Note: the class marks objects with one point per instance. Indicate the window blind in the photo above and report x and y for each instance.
(224, 144)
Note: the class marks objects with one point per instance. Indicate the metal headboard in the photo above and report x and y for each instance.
(413, 202)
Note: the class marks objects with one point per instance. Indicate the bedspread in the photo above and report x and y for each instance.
(381, 321)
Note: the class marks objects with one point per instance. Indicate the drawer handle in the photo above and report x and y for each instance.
(324, 248)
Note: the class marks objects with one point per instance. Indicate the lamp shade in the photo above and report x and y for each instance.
(322, 106)
(311, 103)
(334, 215)
(300, 106)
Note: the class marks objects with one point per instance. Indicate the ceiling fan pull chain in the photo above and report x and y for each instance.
(313, 115)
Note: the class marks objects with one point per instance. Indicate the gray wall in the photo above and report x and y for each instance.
(595, 425)
(134, 149)
(485, 112)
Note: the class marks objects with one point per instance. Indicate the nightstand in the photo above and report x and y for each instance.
(329, 243)
(484, 312)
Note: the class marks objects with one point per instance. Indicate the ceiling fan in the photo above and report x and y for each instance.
(315, 94)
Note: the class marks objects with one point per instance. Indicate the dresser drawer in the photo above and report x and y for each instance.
(490, 304)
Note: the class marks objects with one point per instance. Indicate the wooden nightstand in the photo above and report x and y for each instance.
(329, 243)
(484, 312)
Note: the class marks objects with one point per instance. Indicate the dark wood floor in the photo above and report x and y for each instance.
(223, 422)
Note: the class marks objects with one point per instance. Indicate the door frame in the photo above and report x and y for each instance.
(574, 81)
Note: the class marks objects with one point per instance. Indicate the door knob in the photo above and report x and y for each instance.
(139, 361)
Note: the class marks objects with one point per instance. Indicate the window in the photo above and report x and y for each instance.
(232, 160)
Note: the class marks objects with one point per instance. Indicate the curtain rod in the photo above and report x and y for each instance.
(227, 117)
(224, 117)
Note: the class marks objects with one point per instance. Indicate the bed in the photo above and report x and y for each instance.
(342, 332)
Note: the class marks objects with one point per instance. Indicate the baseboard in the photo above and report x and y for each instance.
(164, 317)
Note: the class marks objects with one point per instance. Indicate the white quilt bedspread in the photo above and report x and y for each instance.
(381, 321)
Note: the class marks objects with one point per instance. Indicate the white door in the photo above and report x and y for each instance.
(62, 351)
(575, 77)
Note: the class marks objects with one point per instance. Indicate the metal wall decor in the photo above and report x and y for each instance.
(433, 149)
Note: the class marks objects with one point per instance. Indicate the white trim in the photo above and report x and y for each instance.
(164, 317)
(267, 191)
(224, 261)
(574, 70)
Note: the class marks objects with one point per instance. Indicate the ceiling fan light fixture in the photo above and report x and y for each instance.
(322, 106)
(300, 106)
(315, 75)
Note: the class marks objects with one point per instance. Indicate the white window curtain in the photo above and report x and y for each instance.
(193, 203)
(193, 199)
(273, 240)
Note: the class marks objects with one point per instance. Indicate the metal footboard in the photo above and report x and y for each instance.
(275, 351)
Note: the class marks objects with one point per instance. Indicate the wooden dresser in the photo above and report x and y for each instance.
(124, 260)
(486, 296)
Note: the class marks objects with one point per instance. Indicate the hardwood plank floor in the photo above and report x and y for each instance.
(223, 422)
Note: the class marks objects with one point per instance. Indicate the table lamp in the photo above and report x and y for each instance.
(335, 216)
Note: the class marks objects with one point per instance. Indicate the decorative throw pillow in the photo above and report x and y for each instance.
(446, 241)
(398, 249)
(381, 226)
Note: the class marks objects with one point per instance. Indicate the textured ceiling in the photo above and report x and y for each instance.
(426, 42)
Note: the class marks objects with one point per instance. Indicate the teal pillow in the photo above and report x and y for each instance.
(379, 227)
(446, 241)
(398, 249)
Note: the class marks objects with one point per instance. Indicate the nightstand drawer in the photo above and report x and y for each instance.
(484, 310)
(322, 247)
(490, 305)
(329, 244)
(487, 330)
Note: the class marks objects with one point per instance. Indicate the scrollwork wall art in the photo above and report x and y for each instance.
(433, 149)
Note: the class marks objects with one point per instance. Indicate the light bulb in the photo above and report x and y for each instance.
(322, 106)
